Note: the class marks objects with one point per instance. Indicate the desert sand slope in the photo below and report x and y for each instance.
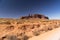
(51, 35)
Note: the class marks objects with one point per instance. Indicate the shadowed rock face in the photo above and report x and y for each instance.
(35, 16)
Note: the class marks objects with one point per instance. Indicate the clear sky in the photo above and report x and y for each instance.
(17, 8)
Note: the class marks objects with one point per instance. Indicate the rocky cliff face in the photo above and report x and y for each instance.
(35, 16)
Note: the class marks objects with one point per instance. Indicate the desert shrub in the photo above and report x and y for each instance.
(45, 21)
(38, 25)
(32, 27)
(36, 33)
(12, 37)
(22, 36)
(10, 27)
(25, 37)
(19, 22)
(19, 39)
(7, 22)
(3, 38)
(56, 26)
(50, 28)
(23, 27)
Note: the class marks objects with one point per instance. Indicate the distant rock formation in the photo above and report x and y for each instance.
(35, 16)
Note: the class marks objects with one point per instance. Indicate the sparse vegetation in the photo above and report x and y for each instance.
(25, 37)
(34, 26)
(5, 22)
(12, 37)
(36, 33)
(11, 27)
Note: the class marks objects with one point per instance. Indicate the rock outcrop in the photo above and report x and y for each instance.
(35, 16)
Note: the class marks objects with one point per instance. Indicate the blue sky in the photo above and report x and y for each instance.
(17, 8)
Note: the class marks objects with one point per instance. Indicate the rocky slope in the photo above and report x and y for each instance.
(23, 29)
